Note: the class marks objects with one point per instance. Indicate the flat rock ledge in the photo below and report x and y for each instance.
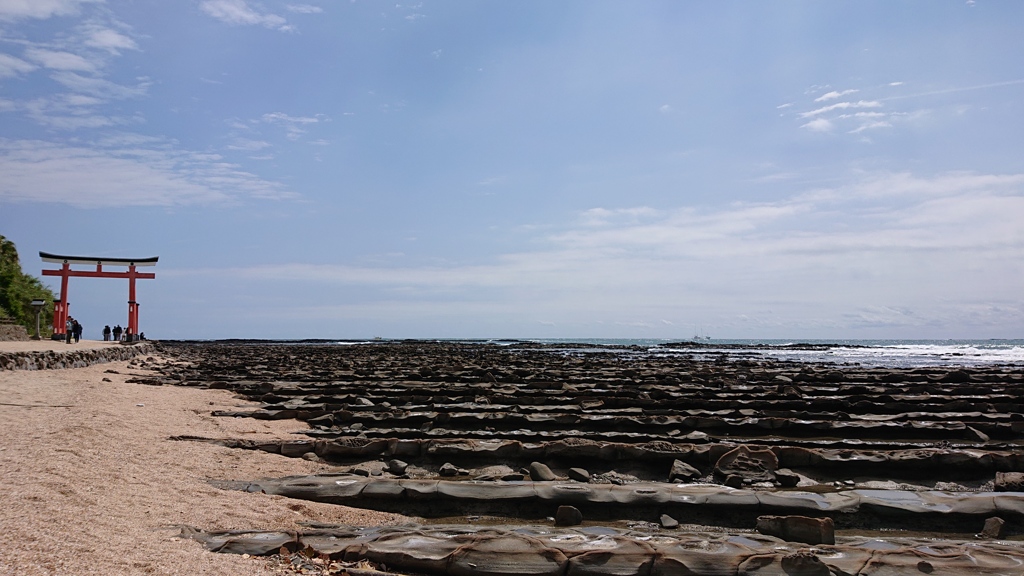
(437, 498)
(54, 360)
(540, 551)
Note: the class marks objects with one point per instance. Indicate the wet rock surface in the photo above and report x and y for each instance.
(633, 435)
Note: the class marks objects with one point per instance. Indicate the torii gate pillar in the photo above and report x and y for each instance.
(60, 307)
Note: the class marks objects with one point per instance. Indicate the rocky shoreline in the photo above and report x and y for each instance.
(631, 441)
(72, 358)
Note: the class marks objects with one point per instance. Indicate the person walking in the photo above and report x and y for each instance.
(69, 329)
(106, 333)
(117, 333)
(77, 329)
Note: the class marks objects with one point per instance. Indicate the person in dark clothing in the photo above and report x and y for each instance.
(117, 332)
(106, 333)
(77, 329)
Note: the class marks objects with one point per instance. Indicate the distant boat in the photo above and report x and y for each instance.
(700, 336)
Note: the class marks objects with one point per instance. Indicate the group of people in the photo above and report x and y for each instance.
(116, 332)
(74, 330)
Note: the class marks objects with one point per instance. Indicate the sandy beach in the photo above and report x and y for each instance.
(91, 483)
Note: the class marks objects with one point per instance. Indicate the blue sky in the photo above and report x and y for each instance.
(579, 169)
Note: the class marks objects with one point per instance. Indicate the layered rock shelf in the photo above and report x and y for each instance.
(542, 551)
(526, 435)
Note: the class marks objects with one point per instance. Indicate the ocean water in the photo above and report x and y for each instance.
(874, 353)
(879, 353)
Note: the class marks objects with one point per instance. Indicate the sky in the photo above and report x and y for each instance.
(523, 169)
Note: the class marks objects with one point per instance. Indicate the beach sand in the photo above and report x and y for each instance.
(90, 482)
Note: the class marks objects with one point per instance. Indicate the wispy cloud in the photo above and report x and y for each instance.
(834, 94)
(40, 9)
(819, 125)
(129, 171)
(12, 66)
(956, 89)
(77, 60)
(295, 126)
(304, 9)
(59, 60)
(841, 106)
(99, 87)
(820, 259)
(102, 37)
(248, 144)
(239, 13)
(885, 111)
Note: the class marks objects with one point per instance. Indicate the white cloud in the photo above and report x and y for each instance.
(293, 125)
(834, 94)
(99, 87)
(304, 9)
(41, 9)
(602, 216)
(239, 13)
(870, 126)
(280, 117)
(59, 60)
(882, 250)
(819, 125)
(70, 112)
(842, 106)
(11, 66)
(248, 145)
(129, 171)
(105, 38)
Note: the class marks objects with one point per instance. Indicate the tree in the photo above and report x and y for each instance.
(18, 290)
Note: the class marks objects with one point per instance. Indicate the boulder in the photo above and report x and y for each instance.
(682, 472)
(733, 481)
(540, 472)
(993, 529)
(786, 477)
(579, 475)
(568, 516)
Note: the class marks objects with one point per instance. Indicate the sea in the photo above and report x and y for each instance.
(868, 353)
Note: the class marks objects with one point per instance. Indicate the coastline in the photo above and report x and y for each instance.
(109, 468)
(93, 484)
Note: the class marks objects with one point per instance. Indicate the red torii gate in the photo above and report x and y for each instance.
(60, 306)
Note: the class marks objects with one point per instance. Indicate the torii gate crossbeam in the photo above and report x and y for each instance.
(60, 306)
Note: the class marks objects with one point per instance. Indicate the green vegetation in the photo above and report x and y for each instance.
(17, 290)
